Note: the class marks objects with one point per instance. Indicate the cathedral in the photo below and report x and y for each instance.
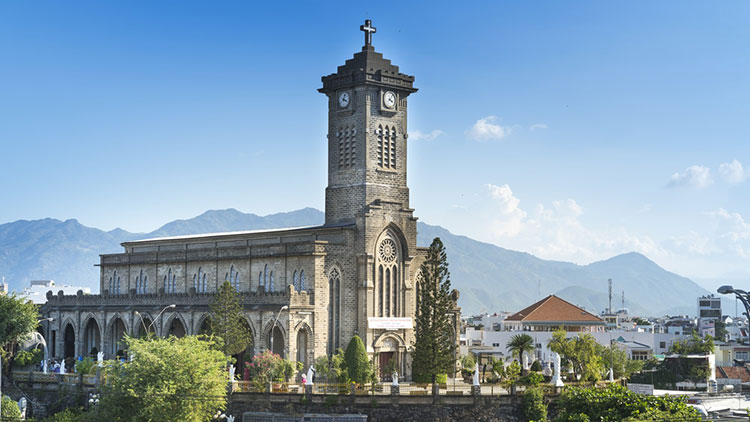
(304, 291)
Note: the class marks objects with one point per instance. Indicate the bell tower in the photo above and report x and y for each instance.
(367, 104)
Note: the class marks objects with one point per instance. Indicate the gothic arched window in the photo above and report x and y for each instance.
(302, 281)
(141, 283)
(233, 277)
(271, 286)
(295, 281)
(114, 284)
(170, 282)
(388, 282)
(199, 281)
(334, 310)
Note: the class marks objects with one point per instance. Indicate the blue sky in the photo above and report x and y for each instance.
(571, 130)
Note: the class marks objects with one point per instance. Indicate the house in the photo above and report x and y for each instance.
(552, 313)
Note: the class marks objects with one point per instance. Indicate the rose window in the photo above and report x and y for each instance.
(388, 251)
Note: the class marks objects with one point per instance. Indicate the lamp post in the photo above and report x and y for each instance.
(172, 306)
(46, 349)
(273, 328)
(743, 296)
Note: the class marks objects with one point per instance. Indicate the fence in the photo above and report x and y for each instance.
(378, 389)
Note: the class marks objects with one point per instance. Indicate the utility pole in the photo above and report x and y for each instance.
(609, 311)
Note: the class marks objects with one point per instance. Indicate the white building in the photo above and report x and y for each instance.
(37, 290)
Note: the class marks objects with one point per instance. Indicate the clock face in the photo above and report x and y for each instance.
(389, 99)
(343, 99)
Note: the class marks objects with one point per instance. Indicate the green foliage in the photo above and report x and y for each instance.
(435, 346)
(227, 321)
(468, 361)
(512, 372)
(357, 363)
(693, 346)
(173, 379)
(498, 367)
(618, 360)
(332, 370)
(532, 379)
(18, 317)
(25, 358)
(640, 321)
(68, 415)
(721, 330)
(582, 354)
(616, 403)
(86, 366)
(10, 409)
(520, 344)
(441, 378)
(532, 405)
(536, 366)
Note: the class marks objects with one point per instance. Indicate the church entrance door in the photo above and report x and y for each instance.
(386, 363)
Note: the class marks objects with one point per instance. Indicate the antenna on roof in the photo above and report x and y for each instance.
(623, 299)
(609, 311)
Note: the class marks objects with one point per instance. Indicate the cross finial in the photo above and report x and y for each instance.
(368, 29)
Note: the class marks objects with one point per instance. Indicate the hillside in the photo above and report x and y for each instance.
(489, 277)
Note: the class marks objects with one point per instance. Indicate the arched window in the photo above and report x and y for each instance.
(388, 281)
(271, 286)
(199, 281)
(386, 146)
(114, 284)
(170, 282)
(347, 146)
(302, 281)
(141, 283)
(295, 281)
(334, 310)
(233, 277)
(418, 280)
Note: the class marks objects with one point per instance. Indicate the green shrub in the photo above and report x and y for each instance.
(10, 409)
(532, 379)
(25, 358)
(357, 363)
(536, 366)
(86, 366)
(68, 415)
(468, 362)
(532, 405)
(442, 378)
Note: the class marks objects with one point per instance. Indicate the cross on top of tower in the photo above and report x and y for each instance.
(368, 29)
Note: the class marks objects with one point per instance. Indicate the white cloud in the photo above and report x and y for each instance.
(553, 231)
(695, 176)
(420, 136)
(507, 217)
(536, 126)
(485, 128)
(733, 172)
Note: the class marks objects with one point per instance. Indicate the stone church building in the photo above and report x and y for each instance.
(355, 274)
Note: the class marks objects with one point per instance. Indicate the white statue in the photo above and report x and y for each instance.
(525, 361)
(100, 359)
(131, 357)
(62, 367)
(230, 418)
(556, 377)
(395, 379)
(611, 375)
(44, 366)
(231, 373)
(310, 373)
(476, 374)
(22, 404)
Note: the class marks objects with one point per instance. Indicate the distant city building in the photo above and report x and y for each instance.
(37, 290)
(634, 349)
(709, 311)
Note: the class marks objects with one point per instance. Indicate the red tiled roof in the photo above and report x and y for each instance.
(554, 309)
(733, 372)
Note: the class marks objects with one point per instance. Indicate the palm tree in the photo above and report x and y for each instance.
(520, 344)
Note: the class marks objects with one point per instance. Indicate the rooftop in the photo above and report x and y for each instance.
(552, 309)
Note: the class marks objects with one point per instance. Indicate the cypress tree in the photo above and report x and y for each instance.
(435, 345)
(357, 364)
(227, 321)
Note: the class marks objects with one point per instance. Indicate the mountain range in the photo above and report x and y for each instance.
(489, 278)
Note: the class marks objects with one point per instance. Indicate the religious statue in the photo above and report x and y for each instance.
(310, 373)
(22, 405)
(100, 359)
(394, 382)
(525, 359)
(557, 377)
(62, 367)
(230, 418)
(44, 366)
(476, 374)
(231, 373)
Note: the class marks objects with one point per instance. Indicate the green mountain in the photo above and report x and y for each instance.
(490, 278)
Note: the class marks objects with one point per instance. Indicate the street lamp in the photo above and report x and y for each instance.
(743, 296)
(273, 328)
(172, 306)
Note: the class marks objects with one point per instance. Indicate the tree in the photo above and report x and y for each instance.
(582, 354)
(721, 330)
(18, 317)
(532, 405)
(172, 379)
(695, 345)
(10, 410)
(616, 403)
(333, 369)
(520, 344)
(617, 359)
(227, 321)
(434, 346)
(357, 364)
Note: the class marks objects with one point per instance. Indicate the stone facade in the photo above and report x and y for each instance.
(353, 275)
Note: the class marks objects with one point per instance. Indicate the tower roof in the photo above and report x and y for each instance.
(368, 67)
